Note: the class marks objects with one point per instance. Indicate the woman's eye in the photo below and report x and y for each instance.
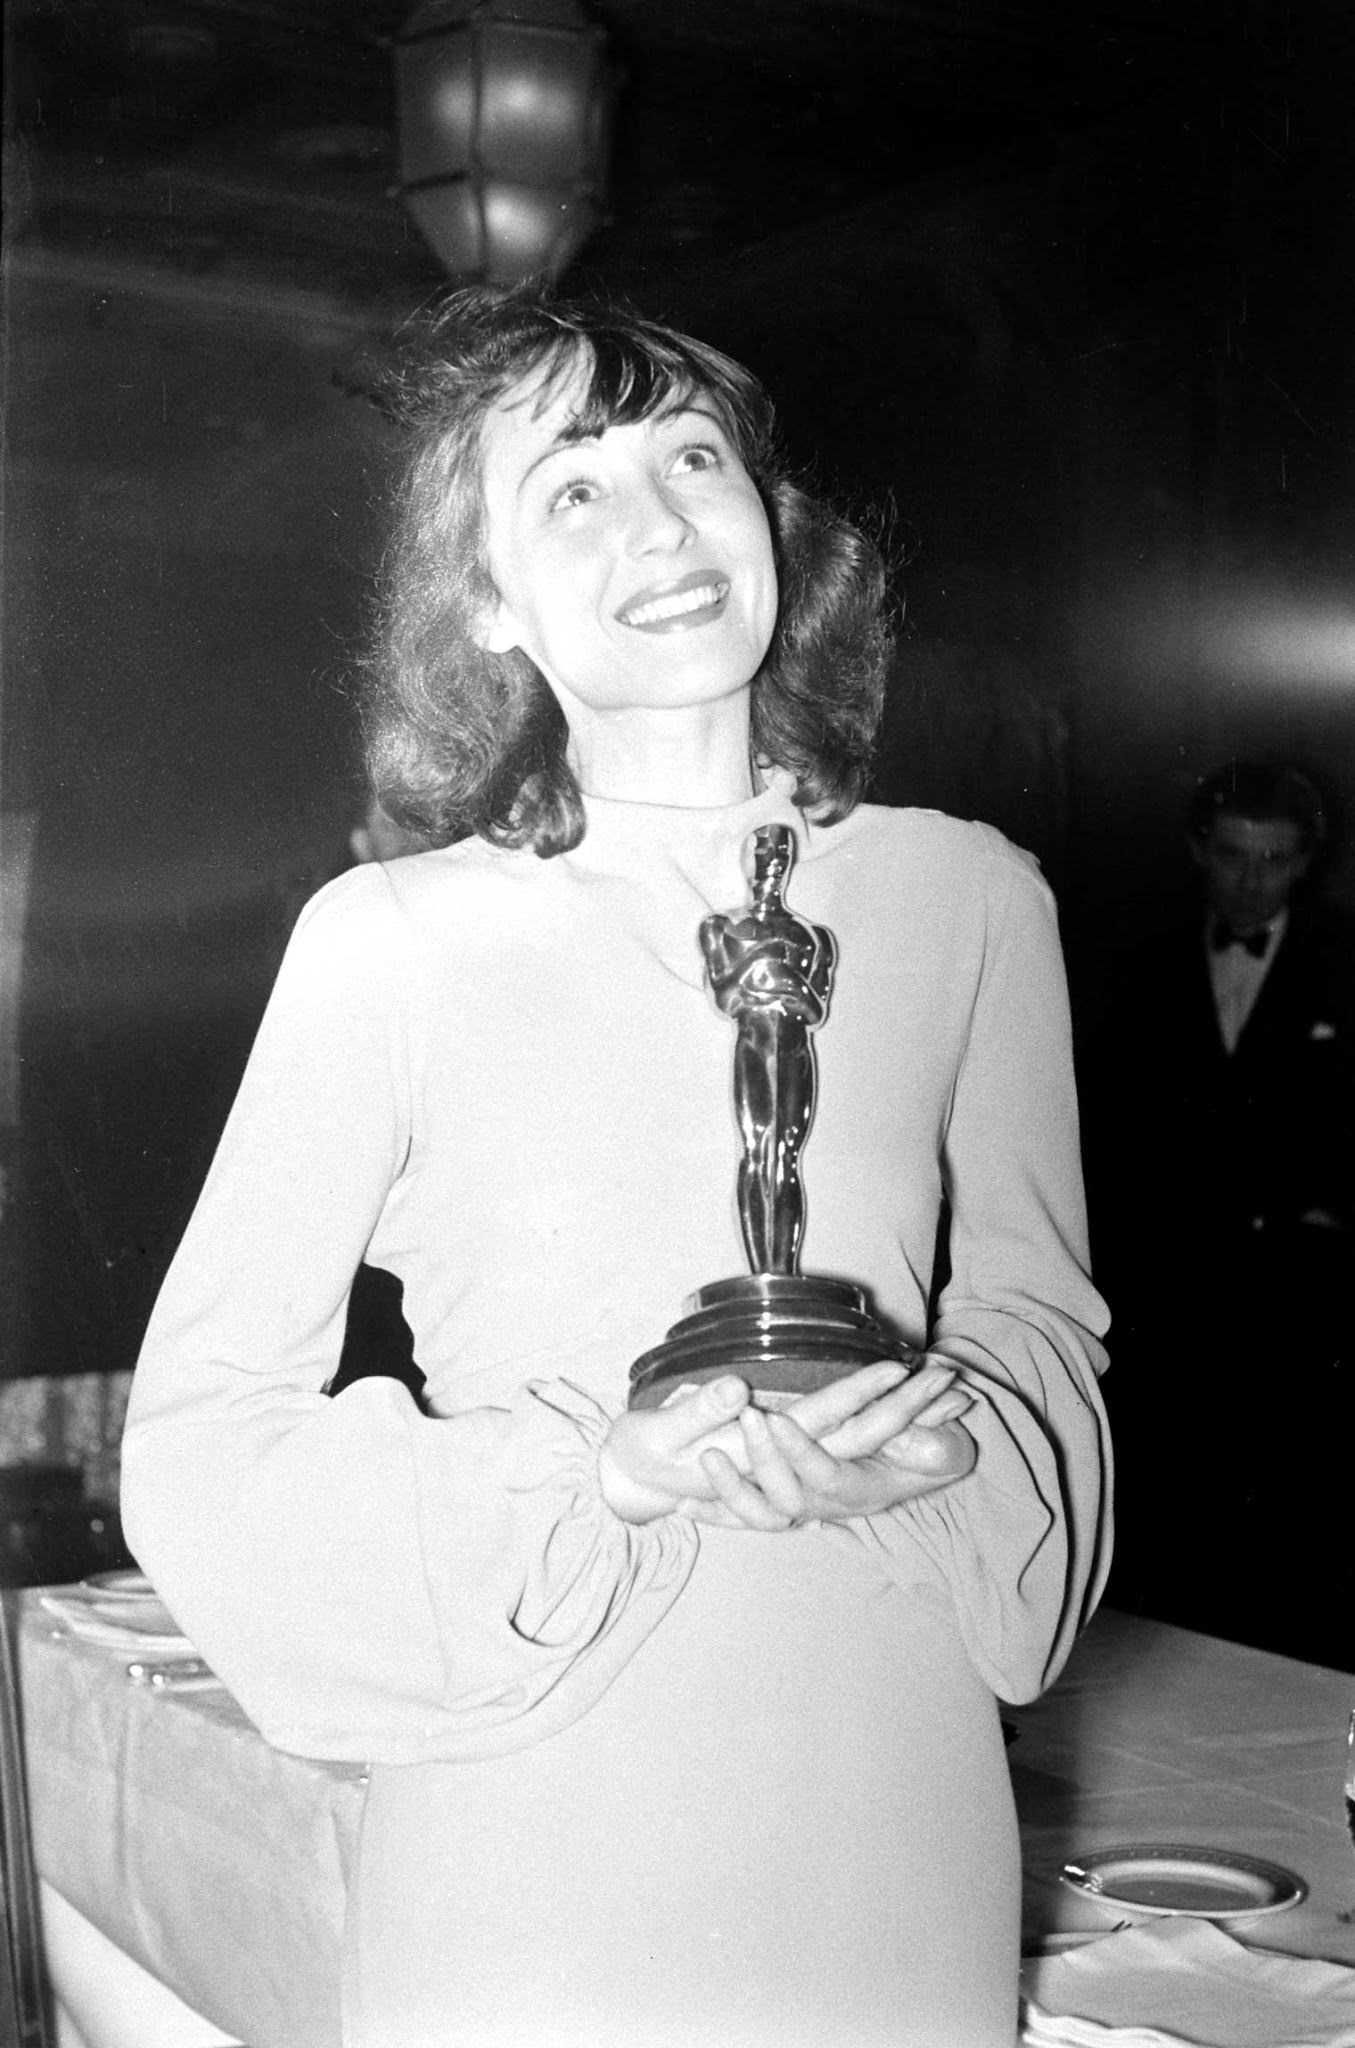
(579, 492)
(699, 456)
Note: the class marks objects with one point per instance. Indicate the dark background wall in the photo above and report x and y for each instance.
(1097, 372)
(191, 542)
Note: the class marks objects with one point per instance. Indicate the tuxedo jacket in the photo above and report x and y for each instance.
(1223, 1149)
(1231, 1390)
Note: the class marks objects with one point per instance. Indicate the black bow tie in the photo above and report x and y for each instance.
(1255, 943)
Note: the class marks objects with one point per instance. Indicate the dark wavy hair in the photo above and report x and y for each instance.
(459, 740)
(1259, 791)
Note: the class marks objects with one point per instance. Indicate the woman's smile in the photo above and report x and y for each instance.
(692, 601)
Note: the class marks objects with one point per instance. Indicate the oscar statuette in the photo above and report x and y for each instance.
(782, 1331)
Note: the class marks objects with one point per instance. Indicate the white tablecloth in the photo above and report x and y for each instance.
(1155, 1734)
(220, 1866)
(215, 1863)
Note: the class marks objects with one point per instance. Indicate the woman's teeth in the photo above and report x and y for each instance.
(659, 609)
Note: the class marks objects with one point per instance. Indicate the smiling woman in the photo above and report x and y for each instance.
(681, 1718)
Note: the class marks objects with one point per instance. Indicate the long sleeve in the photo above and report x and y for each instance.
(371, 1581)
(1022, 1545)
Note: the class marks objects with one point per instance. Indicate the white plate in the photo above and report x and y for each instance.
(146, 1617)
(123, 1585)
(148, 1630)
(1170, 1877)
(136, 1606)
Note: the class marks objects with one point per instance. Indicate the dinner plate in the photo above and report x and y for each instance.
(125, 1599)
(124, 1585)
(145, 1617)
(141, 1626)
(1170, 1877)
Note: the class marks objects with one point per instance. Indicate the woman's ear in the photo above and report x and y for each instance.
(494, 631)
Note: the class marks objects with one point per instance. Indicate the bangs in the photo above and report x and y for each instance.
(632, 373)
(482, 344)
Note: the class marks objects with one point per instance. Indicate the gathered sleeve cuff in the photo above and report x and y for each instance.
(1020, 1547)
(376, 1584)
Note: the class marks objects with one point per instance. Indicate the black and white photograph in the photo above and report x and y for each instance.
(677, 1024)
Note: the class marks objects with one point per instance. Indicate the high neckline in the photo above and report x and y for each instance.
(617, 828)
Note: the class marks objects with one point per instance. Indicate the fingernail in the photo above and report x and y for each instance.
(726, 1393)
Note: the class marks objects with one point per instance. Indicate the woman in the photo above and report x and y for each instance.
(682, 1721)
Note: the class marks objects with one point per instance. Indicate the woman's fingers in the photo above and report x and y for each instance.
(871, 1405)
(686, 1417)
(817, 1472)
(790, 1479)
(868, 1430)
(774, 1447)
(948, 1407)
(828, 1407)
(942, 1454)
(709, 1452)
(744, 1500)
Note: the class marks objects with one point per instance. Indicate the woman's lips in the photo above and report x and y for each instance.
(692, 602)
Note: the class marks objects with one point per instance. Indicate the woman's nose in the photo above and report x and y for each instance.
(657, 522)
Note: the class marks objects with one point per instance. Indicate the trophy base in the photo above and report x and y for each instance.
(785, 1334)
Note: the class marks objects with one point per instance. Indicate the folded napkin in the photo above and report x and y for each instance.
(1169, 1981)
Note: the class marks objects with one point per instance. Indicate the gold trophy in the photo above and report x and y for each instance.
(783, 1331)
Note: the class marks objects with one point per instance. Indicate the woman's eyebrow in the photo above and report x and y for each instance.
(567, 438)
(574, 434)
(690, 408)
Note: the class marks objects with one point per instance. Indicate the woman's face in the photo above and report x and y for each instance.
(635, 568)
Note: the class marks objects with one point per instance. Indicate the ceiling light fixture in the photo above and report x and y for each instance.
(504, 115)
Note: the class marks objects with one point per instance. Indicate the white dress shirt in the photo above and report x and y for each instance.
(1237, 976)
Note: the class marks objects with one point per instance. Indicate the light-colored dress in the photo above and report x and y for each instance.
(635, 1787)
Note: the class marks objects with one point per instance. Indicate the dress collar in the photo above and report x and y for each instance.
(618, 833)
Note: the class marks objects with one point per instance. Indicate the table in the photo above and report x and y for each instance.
(1157, 1734)
(172, 1843)
(195, 1879)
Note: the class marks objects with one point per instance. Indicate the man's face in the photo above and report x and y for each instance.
(1250, 865)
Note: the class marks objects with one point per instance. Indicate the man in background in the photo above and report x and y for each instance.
(1220, 1108)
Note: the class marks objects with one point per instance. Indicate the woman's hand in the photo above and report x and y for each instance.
(787, 1477)
(650, 1460)
(654, 1461)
